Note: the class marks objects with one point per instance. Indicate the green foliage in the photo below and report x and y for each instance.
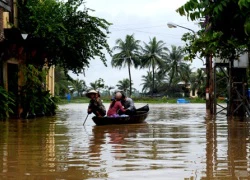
(108, 88)
(174, 66)
(62, 81)
(161, 82)
(128, 55)
(198, 82)
(6, 102)
(224, 31)
(33, 80)
(33, 97)
(124, 85)
(152, 56)
(97, 85)
(170, 70)
(64, 34)
(147, 83)
(164, 98)
(79, 86)
(47, 104)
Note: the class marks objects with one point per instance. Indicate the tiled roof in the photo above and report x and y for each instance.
(6, 4)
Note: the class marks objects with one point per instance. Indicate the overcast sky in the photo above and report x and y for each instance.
(143, 18)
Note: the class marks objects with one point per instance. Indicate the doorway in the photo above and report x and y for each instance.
(12, 75)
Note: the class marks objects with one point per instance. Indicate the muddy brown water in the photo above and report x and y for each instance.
(178, 141)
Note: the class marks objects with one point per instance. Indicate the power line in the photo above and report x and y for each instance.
(174, 36)
(147, 27)
(162, 23)
(139, 29)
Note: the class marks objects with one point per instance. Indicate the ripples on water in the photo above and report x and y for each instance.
(177, 142)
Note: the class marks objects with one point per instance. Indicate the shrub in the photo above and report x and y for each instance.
(6, 102)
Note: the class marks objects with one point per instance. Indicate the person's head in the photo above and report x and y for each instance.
(118, 96)
(92, 94)
(121, 92)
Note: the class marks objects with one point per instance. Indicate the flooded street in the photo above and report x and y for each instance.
(177, 141)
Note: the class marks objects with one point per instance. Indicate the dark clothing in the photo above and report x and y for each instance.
(128, 104)
(96, 107)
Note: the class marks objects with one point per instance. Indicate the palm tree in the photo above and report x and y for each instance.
(160, 82)
(79, 86)
(128, 55)
(185, 72)
(109, 88)
(198, 82)
(173, 64)
(62, 81)
(97, 85)
(124, 85)
(147, 82)
(185, 76)
(152, 56)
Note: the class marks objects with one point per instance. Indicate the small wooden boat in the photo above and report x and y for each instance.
(139, 117)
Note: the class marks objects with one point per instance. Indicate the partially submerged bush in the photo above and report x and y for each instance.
(7, 102)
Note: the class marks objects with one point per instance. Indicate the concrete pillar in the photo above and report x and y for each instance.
(50, 80)
(1, 25)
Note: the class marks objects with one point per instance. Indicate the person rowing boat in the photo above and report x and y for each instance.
(95, 104)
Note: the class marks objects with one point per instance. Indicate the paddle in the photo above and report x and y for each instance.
(85, 119)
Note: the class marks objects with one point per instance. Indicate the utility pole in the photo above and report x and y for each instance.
(207, 83)
(209, 73)
(211, 85)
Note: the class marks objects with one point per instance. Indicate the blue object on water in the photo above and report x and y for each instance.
(181, 101)
(248, 92)
(68, 96)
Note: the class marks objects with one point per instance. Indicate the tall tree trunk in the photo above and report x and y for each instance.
(153, 69)
(173, 72)
(130, 80)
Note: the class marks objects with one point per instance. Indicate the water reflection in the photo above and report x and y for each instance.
(177, 142)
(112, 141)
(227, 148)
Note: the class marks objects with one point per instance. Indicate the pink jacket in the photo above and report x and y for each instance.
(113, 110)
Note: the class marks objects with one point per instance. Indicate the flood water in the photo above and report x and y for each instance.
(178, 141)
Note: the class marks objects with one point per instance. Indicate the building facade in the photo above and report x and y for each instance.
(5, 7)
(12, 51)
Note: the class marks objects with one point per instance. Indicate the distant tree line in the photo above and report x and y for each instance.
(167, 72)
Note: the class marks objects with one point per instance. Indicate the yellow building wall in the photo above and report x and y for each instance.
(50, 80)
(6, 20)
(15, 13)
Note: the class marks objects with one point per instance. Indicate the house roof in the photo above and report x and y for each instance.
(5, 4)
